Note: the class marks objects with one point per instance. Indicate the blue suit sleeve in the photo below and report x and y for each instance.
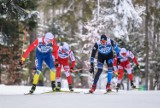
(115, 46)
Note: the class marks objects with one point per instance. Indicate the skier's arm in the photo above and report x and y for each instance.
(131, 55)
(135, 60)
(115, 46)
(93, 54)
(29, 49)
(115, 63)
(55, 49)
(72, 59)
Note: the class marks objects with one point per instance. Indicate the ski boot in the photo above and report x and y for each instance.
(32, 89)
(108, 87)
(71, 88)
(53, 85)
(93, 88)
(118, 87)
(58, 88)
(132, 85)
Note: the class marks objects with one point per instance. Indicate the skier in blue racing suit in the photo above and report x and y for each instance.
(104, 47)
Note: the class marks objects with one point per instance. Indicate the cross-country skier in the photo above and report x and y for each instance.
(64, 53)
(44, 47)
(123, 62)
(104, 47)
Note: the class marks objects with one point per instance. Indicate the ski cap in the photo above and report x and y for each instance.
(49, 36)
(103, 37)
(123, 52)
(65, 46)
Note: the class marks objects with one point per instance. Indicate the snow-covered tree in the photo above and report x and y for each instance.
(14, 17)
(115, 18)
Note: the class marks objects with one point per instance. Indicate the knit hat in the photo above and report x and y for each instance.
(103, 37)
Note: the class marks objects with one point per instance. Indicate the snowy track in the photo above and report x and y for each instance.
(13, 97)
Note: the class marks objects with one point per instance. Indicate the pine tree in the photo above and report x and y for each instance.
(12, 13)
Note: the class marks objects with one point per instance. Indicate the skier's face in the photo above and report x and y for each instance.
(64, 50)
(49, 41)
(123, 54)
(103, 42)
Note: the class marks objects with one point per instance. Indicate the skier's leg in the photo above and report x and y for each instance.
(38, 63)
(50, 63)
(120, 76)
(130, 75)
(100, 69)
(58, 77)
(68, 76)
(100, 63)
(121, 73)
(110, 72)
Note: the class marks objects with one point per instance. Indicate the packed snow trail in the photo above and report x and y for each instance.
(13, 97)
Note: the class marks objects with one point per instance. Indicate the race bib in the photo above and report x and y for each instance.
(105, 50)
(44, 49)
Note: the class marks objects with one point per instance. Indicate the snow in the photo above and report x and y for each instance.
(2, 38)
(13, 97)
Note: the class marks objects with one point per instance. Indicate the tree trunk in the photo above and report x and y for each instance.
(146, 45)
(158, 40)
(32, 34)
(128, 84)
(84, 80)
(151, 82)
(0, 73)
(1, 26)
(73, 21)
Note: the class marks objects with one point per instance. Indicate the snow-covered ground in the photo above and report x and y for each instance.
(13, 97)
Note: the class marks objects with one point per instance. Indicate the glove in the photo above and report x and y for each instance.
(21, 63)
(116, 73)
(91, 70)
(138, 66)
(118, 61)
(56, 63)
(71, 69)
